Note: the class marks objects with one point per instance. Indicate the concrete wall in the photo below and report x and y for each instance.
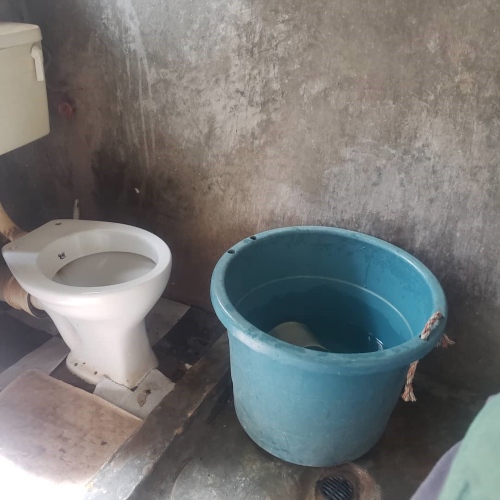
(209, 120)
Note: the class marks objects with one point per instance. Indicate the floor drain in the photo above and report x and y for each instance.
(335, 488)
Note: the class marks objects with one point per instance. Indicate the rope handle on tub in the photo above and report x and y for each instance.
(444, 341)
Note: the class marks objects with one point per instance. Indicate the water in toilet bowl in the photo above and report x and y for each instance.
(104, 269)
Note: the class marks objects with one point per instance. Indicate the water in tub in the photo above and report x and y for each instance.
(340, 317)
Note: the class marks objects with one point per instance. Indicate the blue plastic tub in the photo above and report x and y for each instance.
(364, 299)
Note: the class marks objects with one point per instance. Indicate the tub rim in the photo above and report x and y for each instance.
(388, 359)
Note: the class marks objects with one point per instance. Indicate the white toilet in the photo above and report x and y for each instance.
(97, 281)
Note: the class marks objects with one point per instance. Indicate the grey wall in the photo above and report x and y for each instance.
(209, 120)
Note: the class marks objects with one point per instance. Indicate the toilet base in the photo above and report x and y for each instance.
(82, 370)
(92, 376)
(112, 349)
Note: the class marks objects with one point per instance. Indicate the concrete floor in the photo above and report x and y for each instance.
(217, 461)
(213, 459)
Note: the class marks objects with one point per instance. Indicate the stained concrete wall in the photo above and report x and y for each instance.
(208, 120)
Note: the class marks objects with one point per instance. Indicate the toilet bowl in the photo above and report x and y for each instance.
(97, 281)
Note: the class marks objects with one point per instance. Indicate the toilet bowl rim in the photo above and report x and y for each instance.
(26, 266)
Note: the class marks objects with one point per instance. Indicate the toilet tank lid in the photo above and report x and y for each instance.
(13, 34)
